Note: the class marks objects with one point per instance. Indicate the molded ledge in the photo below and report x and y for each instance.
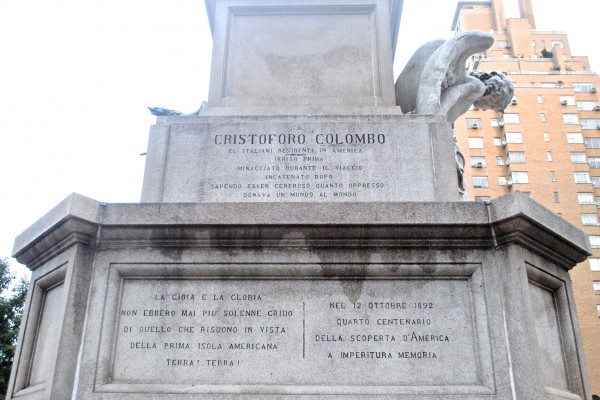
(75, 219)
(508, 219)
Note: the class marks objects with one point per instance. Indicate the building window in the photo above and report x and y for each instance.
(553, 176)
(502, 180)
(516, 156)
(594, 264)
(478, 162)
(584, 87)
(596, 181)
(546, 137)
(494, 122)
(585, 198)
(543, 44)
(570, 119)
(582, 177)
(540, 99)
(595, 241)
(511, 118)
(567, 100)
(480, 181)
(598, 309)
(590, 124)
(533, 43)
(597, 287)
(557, 42)
(578, 158)
(592, 143)
(473, 123)
(556, 200)
(499, 160)
(476, 143)
(574, 138)
(542, 117)
(597, 199)
(589, 219)
(588, 106)
(514, 137)
(497, 141)
(502, 44)
(594, 162)
(482, 198)
(549, 155)
(519, 177)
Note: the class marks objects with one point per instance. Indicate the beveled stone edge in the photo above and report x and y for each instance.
(301, 114)
(511, 218)
(395, 17)
(76, 216)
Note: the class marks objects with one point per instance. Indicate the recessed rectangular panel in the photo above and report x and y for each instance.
(297, 334)
(291, 52)
(551, 358)
(47, 336)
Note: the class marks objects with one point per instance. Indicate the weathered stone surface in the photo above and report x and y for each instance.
(313, 252)
(251, 300)
(280, 54)
(300, 159)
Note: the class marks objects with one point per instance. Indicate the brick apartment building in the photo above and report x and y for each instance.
(547, 143)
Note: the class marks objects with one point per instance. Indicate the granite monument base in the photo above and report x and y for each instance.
(300, 301)
(301, 158)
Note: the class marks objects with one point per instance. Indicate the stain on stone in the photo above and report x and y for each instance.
(352, 289)
(172, 253)
(350, 275)
(428, 269)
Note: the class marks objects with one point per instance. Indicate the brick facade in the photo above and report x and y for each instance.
(550, 136)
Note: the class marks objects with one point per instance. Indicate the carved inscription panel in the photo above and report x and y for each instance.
(321, 332)
(306, 161)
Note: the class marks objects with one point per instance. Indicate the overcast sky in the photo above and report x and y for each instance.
(76, 77)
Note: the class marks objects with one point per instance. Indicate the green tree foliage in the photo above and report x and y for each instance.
(546, 54)
(11, 311)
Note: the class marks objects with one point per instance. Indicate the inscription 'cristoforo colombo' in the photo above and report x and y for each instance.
(290, 138)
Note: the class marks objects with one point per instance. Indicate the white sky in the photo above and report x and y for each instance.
(76, 77)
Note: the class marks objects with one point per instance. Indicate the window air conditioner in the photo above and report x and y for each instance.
(479, 165)
(563, 102)
(596, 108)
(500, 123)
(597, 126)
(507, 46)
(593, 90)
(507, 162)
(513, 101)
(474, 125)
(509, 183)
(503, 142)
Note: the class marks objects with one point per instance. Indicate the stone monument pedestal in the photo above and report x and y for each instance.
(413, 300)
(301, 239)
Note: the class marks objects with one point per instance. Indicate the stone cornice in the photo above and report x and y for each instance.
(514, 218)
